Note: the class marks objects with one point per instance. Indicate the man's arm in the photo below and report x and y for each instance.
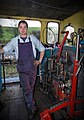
(37, 62)
(41, 56)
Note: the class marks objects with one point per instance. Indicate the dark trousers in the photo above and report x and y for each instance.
(27, 83)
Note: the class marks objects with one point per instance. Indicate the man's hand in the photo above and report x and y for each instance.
(37, 62)
(1, 51)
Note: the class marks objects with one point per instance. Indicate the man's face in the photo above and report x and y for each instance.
(22, 29)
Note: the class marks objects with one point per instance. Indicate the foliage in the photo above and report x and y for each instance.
(30, 29)
(7, 33)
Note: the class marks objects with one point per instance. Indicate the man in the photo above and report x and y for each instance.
(25, 52)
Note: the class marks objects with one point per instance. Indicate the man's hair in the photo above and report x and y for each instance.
(24, 22)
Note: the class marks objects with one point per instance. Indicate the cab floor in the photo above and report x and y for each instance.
(12, 104)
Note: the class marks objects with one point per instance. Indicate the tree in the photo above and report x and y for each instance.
(1, 31)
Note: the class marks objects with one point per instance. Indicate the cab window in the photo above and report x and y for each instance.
(52, 32)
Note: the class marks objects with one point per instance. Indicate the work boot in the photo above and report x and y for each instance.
(30, 114)
(36, 108)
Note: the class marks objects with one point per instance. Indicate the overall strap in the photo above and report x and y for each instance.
(18, 40)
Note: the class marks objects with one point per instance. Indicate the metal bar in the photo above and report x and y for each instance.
(3, 71)
(0, 78)
(45, 115)
(74, 82)
(81, 59)
(78, 70)
(59, 106)
(61, 46)
(73, 92)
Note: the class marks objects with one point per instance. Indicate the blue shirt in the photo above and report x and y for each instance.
(13, 45)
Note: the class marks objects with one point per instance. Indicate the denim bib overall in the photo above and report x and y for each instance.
(27, 71)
